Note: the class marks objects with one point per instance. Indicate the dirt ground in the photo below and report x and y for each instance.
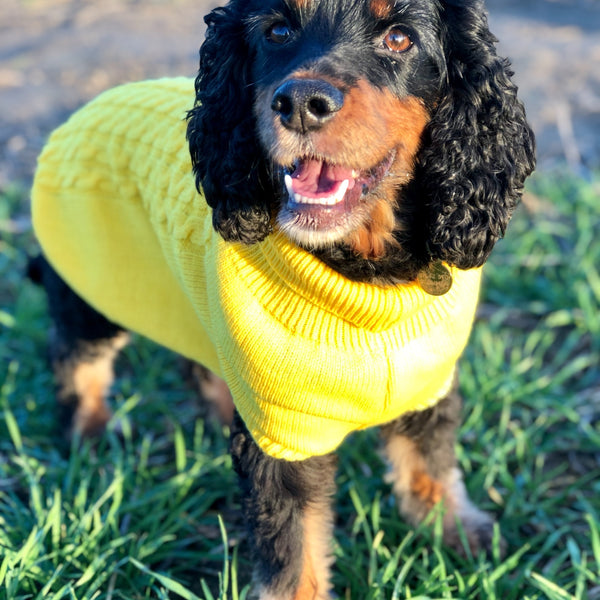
(57, 54)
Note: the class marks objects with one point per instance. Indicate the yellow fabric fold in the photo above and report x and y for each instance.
(309, 356)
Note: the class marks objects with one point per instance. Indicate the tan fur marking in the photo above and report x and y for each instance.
(371, 239)
(371, 123)
(92, 381)
(399, 124)
(300, 4)
(381, 8)
(427, 489)
(314, 580)
(410, 475)
(404, 459)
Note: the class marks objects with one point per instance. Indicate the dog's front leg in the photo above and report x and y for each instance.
(420, 449)
(287, 507)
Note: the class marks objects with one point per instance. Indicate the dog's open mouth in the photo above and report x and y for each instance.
(325, 200)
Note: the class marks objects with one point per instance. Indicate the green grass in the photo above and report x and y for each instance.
(157, 515)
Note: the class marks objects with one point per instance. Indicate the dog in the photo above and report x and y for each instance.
(363, 157)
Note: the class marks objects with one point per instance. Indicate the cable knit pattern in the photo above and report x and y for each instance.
(308, 355)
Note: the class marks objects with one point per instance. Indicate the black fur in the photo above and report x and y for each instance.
(227, 159)
(478, 149)
(275, 494)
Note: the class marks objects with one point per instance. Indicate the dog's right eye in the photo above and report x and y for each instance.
(397, 40)
(278, 33)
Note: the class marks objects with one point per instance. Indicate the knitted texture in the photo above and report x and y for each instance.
(309, 356)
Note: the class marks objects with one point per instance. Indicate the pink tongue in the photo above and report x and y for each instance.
(316, 178)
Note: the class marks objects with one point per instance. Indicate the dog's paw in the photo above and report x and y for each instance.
(467, 529)
(471, 531)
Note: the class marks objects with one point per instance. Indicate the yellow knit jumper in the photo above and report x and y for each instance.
(309, 356)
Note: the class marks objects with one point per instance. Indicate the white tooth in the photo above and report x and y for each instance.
(326, 201)
(288, 184)
(342, 190)
(354, 173)
(303, 199)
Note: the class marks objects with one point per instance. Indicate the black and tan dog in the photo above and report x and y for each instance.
(385, 139)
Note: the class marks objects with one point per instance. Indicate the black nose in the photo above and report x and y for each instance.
(306, 104)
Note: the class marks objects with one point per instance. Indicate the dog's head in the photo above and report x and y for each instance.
(371, 127)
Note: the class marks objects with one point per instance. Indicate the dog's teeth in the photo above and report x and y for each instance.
(342, 190)
(288, 185)
(326, 201)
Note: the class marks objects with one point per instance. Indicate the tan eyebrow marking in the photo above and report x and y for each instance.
(381, 8)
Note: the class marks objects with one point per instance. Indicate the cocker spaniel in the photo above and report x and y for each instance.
(382, 145)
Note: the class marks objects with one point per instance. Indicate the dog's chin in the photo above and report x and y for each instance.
(323, 203)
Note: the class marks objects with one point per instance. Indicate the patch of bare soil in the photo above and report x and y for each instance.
(57, 54)
(554, 46)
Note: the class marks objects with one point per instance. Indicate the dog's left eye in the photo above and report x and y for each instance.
(278, 33)
(397, 40)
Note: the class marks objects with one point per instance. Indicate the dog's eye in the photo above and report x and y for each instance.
(278, 33)
(397, 40)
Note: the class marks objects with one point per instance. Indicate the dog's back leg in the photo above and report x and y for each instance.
(287, 508)
(424, 472)
(83, 346)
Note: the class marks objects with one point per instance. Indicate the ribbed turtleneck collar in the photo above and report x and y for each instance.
(366, 306)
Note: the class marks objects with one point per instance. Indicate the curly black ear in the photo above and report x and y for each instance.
(478, 148)
(227, 160)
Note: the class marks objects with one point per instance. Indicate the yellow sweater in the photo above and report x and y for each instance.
(309, 356)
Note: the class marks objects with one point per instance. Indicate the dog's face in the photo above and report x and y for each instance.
(382, 135)
(342, 91)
